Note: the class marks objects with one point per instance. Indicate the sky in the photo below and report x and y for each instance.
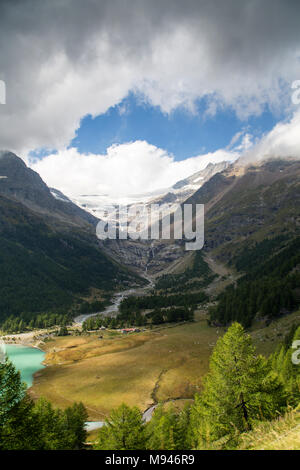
(129, 96)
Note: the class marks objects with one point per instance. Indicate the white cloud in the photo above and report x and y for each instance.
(139, 167)
(127, 169)
(282, 141)
(63, 60)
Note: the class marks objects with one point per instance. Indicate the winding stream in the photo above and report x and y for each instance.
(113, 309)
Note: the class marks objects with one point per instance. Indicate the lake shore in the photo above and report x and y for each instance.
(33, 339)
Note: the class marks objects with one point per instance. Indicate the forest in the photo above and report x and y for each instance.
(269, 288)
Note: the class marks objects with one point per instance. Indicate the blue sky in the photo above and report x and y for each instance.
(137, 69)
(181, 133)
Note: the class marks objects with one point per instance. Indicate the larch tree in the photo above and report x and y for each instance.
(239, 389)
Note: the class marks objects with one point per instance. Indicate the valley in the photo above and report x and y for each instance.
(160, 365)
(136, 322)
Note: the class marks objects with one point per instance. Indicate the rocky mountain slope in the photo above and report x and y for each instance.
(242, 205)
(154, 256)
(21, 184)
(252, 225)
(49, 253)
(250, 204)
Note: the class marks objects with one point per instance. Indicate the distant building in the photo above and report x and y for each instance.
(130, 330)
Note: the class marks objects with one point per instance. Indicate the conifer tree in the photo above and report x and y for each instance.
(289, 372)
(239, 389)
(123, 430)
(12, 390)
(168, 429)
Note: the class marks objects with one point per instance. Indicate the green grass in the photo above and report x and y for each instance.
(280, 434)
(165, 363)
(168, 362)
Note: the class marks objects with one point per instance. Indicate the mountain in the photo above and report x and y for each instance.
(249, 204)
(252, 224)
(185, 188)
(157, 255)
(49, 254)
(20, 183)
(181, 190)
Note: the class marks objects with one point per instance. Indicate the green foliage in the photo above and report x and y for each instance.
(59, 429)
(289, 372)
(169, 430)
(199, 269)
(43, 270)
(124, 430)
(250, 257)
(239, 389)
(155, 317)
(161, 301)
(12, 390)
(24, 321)
(28, 426)
(268, 288)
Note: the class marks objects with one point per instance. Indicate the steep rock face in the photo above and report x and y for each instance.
(214, 187)
(157, 255)
(202, 176)
(242, 205)
(185, 188)
(20, 183)
(147, 257)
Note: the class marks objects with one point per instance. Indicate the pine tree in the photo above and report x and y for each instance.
(28, 426)
(289, 372)
(123, 430)
(239, 388)
(161, 430)
(12, 390)
(76, 417)
(168, 429)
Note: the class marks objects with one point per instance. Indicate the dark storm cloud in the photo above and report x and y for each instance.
(63, 59)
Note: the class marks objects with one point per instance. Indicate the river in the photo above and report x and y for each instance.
(29, 360)
(113, 309)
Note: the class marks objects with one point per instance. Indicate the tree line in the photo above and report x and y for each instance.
(135, 304)
(125, 320)
(44, 320)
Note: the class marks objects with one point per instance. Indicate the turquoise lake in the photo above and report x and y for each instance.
(26, 360)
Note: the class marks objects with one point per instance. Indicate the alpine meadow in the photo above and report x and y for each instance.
(149, 228)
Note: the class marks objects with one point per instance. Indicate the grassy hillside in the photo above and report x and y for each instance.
(280, 434)
(263, 202)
